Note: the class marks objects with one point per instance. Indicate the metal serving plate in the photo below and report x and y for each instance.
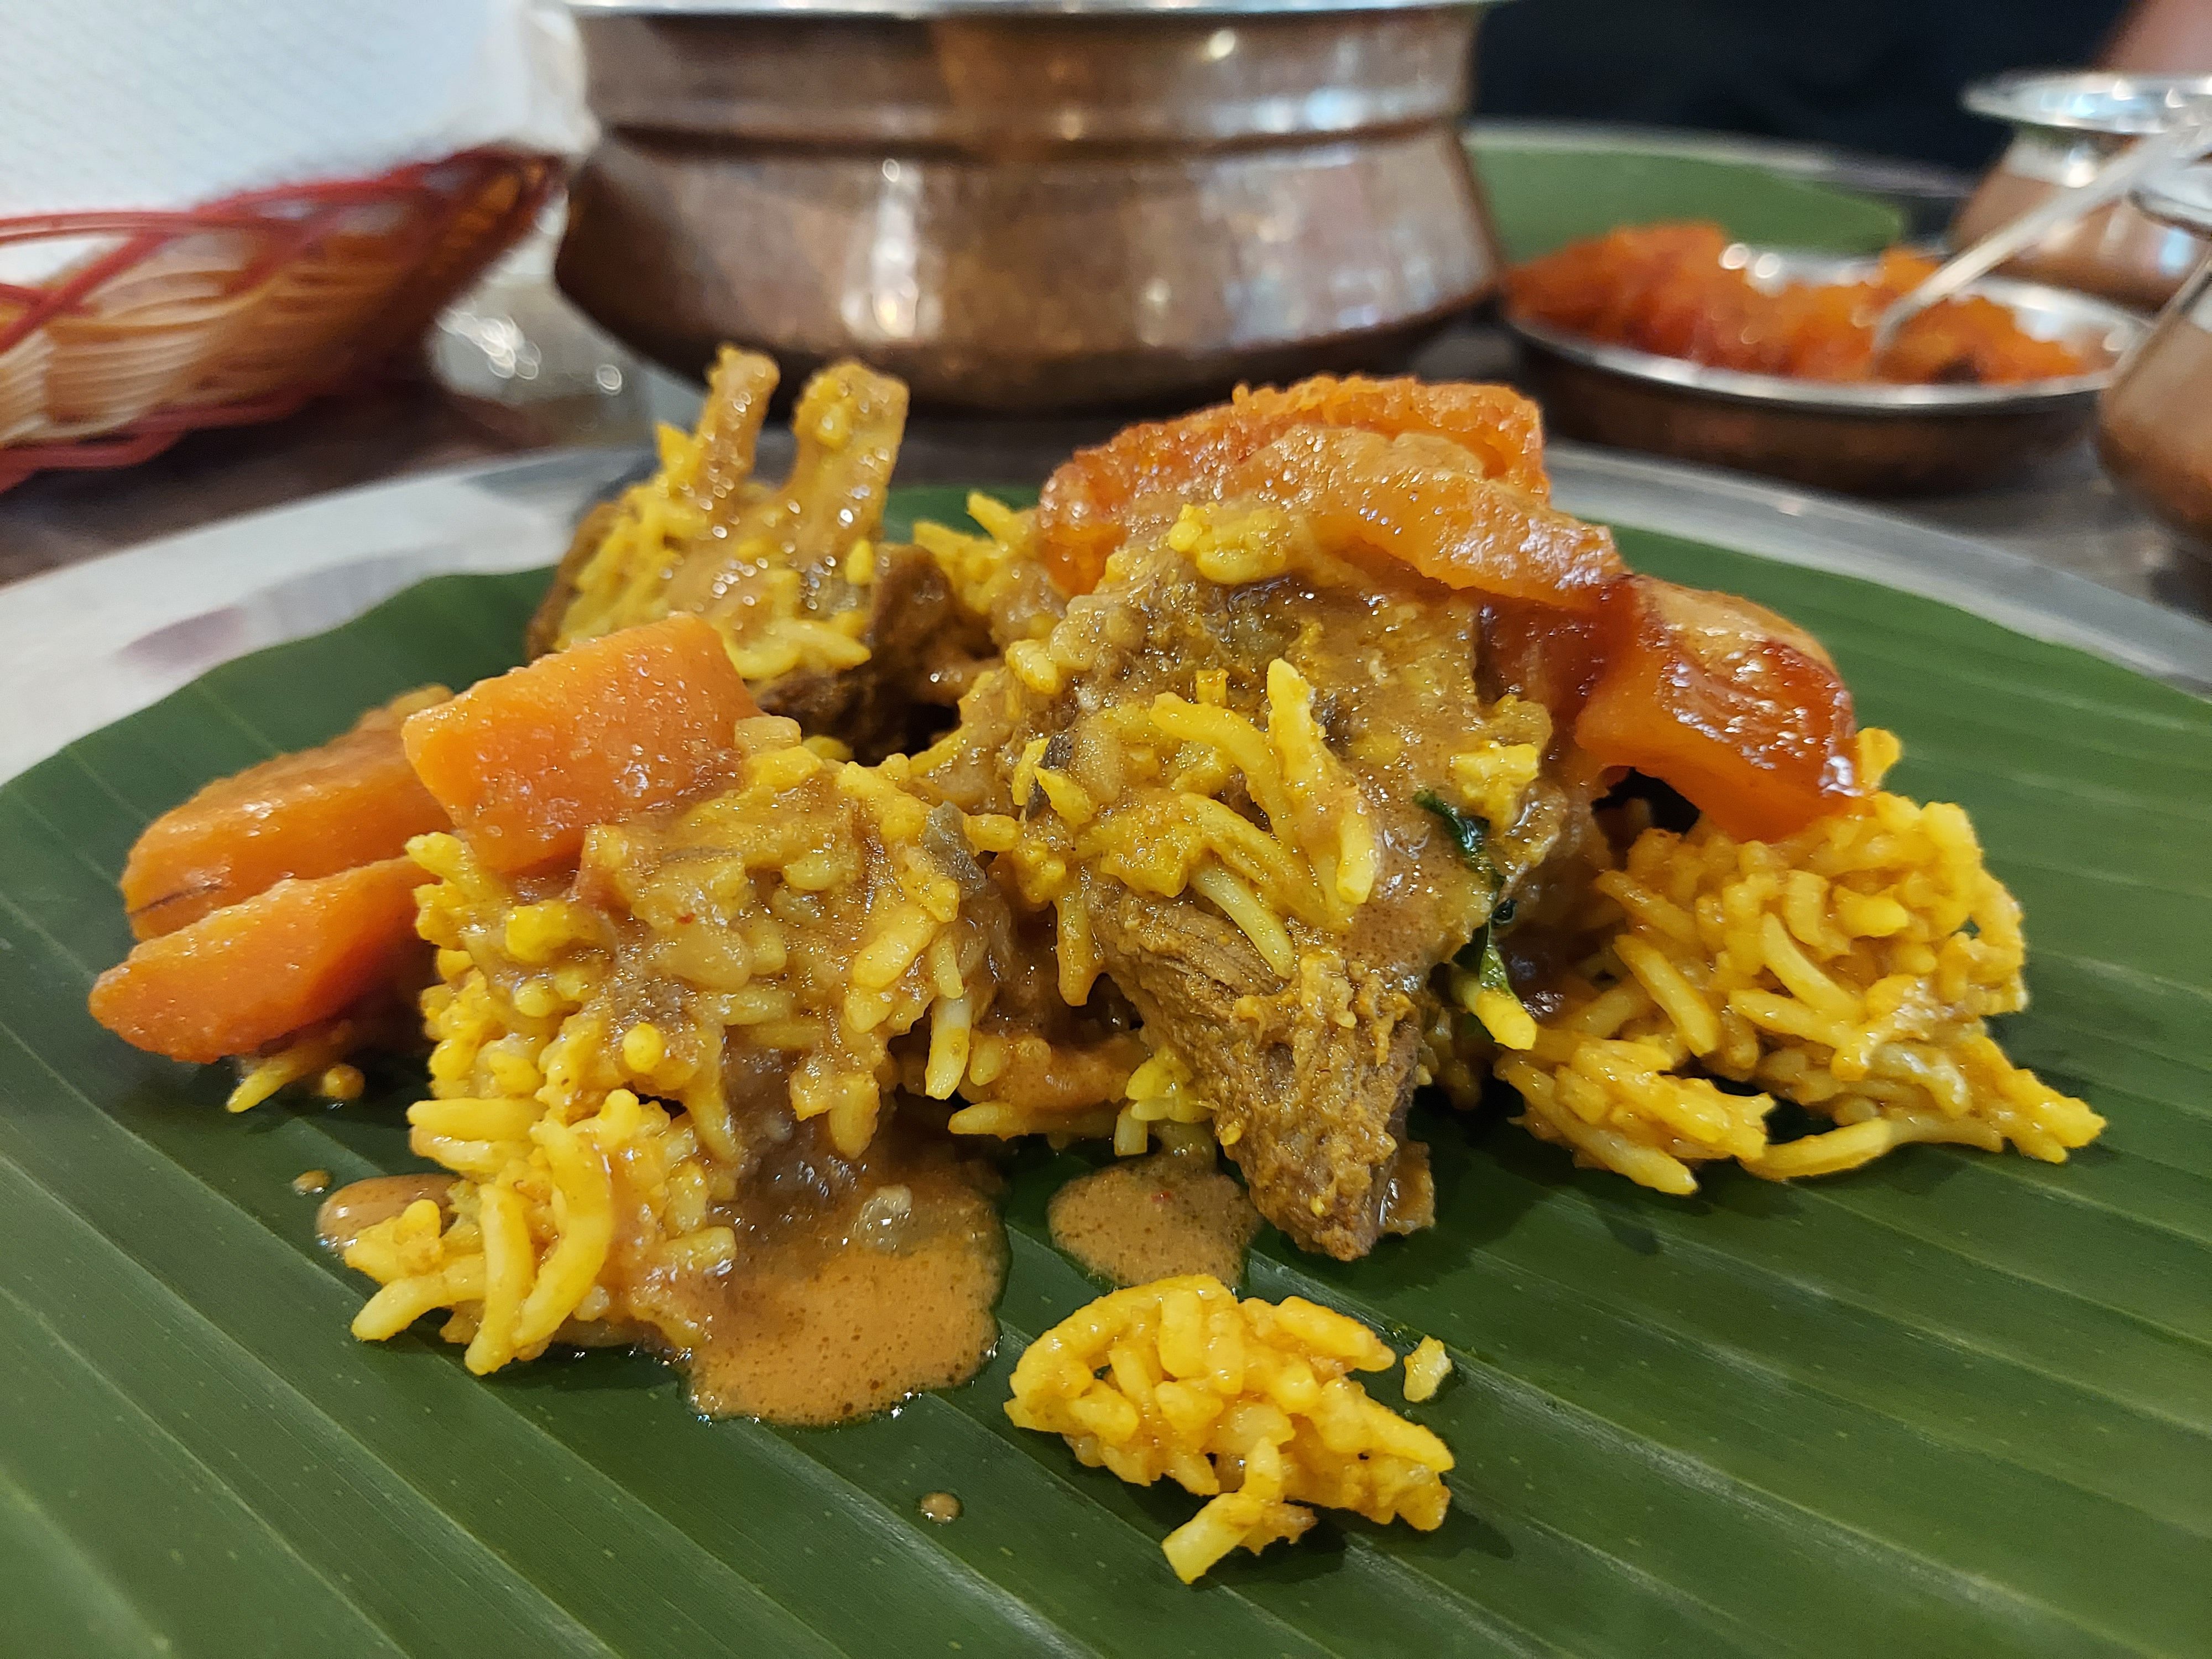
(2098, 330)
(1863, 438)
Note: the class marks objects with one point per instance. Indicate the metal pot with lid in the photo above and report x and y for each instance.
(1026, 205)
(2065, 126)
(2154, 426)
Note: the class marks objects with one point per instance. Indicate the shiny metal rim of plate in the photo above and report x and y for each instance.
(2090, 100)
(1822, 397)
(2119, 329)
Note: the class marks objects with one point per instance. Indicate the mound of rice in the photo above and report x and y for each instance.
(1247, 1403)
(803, 920)
(1850, 968)
(608, 1051)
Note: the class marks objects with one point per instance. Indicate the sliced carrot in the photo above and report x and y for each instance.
(609, 728)
(1425, 503)
(351, 801)
(1080, 517)
(302, 951)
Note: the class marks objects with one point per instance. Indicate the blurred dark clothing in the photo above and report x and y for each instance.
(1882, 77)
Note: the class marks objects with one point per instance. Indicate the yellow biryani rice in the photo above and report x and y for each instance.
(1141, 803)
(1250, 1405)
(579, 1062)
(1851, 969)
(584, 1036)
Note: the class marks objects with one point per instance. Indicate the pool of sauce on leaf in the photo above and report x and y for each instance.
(1155, 1216)
(359, 1205)
(842, 1302)
(855, 1285)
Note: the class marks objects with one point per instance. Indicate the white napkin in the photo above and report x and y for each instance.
(167, 104)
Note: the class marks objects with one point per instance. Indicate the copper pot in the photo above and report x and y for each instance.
(2154, 430)
(1020, 210)
(2065, 128)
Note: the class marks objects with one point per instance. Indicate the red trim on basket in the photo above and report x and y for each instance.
(288, 221)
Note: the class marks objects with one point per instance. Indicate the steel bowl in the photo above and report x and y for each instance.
(2065, 128)
(2154, 425)
(1866, 438)
(1018, 206)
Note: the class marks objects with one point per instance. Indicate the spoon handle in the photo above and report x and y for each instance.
(2173, 148)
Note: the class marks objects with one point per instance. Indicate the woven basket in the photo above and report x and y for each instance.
(242, 310)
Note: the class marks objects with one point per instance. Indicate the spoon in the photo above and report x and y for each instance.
(2175, 147)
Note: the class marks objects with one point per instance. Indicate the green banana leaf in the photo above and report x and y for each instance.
(1951, 1405)
(1542, 194)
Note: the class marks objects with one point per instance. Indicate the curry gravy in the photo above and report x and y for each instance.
(855, 1285)
(846, 1304)
(1157, 1216)
(359, 1205)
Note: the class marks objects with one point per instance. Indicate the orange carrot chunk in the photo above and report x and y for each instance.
(351, 801)
(611, 728)
(301, 952)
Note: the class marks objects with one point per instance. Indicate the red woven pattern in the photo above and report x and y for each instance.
(242, 310)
